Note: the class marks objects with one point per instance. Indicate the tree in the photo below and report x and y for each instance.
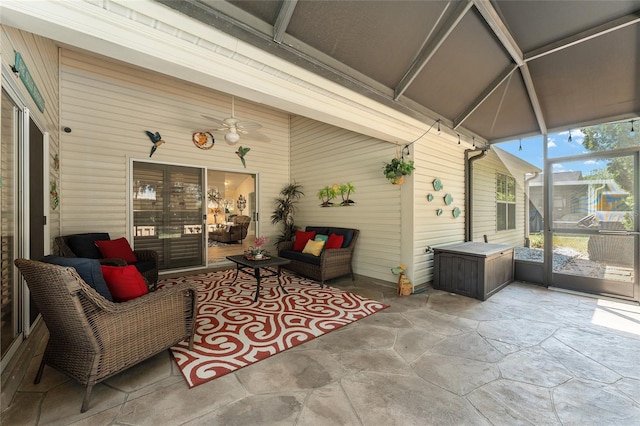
(286, 206)
(608, 137)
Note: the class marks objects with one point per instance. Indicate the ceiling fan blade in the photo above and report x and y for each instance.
(248, 125)
(257, 136)
(215, 120)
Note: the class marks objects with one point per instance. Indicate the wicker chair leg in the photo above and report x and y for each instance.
(39, 373)
(87, 396)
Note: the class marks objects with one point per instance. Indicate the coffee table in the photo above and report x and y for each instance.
(253, 268)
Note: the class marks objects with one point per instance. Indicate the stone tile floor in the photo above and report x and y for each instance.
(527, 355)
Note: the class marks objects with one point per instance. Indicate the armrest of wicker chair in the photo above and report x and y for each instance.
(284, 245)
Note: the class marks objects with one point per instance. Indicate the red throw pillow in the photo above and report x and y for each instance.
(334, 241)
(118, 248)
(124, 282)
(301, 239)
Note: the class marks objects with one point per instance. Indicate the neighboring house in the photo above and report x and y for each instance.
(500, 198)
(576, 199)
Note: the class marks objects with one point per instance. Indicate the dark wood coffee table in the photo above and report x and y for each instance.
(253, 267)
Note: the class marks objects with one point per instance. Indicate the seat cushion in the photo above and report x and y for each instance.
(145, 265)
(301, 239)
(82, 245)
(302, 257)
(318, 229)
(124, 282)
(118, 248)
(88, 269)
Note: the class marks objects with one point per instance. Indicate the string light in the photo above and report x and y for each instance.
(520, 149)
(458, 138)
(438, 126)
(632, 132)
(474, 141)
(570, 138)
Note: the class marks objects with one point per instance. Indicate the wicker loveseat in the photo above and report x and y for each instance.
(91, 338)
(332, 263)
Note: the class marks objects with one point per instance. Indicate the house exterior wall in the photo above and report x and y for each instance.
(484, 201)
(41, 57)
(108, 105)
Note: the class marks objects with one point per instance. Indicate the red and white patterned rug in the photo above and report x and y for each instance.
(233, 331)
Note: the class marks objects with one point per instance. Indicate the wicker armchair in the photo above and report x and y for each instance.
(145, 257)
(331, 263)
(90, 338)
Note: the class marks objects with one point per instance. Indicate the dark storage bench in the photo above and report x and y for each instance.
(473, 269)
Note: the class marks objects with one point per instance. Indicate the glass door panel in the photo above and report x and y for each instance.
(594, 225)
(167, 213)
(10, 300)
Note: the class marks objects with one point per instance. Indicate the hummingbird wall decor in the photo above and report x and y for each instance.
(156, 140)
(241, 152)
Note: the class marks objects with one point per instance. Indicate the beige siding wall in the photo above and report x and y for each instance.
(484, 201)
(436, 158)
(322, 155)
(108, 105)
(41, 57)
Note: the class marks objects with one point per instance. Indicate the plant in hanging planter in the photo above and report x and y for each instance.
(327, 194)
(345, 192)
(397, 169)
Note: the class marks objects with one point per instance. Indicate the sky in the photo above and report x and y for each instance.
(559, 146)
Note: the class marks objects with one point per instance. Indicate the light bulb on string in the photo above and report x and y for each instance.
(520, 148)
(474, 141)
(570, 138)
(438, 127)
(632, 132)
(458, 138)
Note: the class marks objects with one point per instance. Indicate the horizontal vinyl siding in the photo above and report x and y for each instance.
(436, 158)
(322, 155)
(484, 202)
(108, 105)
(41, 57)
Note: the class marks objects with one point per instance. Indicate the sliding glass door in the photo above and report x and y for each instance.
(168, 213)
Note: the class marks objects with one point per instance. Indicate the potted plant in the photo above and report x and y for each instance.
(285, 209)
(397, 169)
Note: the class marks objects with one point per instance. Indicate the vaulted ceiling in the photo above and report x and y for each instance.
(499, 69)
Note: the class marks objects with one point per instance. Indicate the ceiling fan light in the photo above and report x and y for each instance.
(231, 137)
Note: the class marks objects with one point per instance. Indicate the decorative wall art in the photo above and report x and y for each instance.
(203, 140)
(156, 140)
(448, 199)
(53, 192)
(330, 193)
(241, 152)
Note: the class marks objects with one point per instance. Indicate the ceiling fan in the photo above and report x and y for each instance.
(233, 127)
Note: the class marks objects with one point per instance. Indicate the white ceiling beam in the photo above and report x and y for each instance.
(284, 17)
(589, 34)
(432, 47)
(494, 21)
